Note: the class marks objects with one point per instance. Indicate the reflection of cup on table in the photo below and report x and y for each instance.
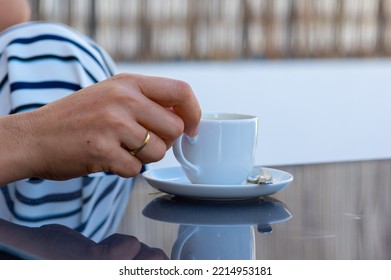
(217, 229)
(196, 242)
(223, 151)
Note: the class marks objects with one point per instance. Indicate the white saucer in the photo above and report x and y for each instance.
(172, 180)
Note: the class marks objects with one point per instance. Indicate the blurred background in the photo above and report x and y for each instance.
(316, 72)
(161, 30)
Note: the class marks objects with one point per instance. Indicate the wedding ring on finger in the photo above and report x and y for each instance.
(134, 152)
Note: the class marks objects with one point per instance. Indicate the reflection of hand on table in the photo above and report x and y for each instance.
(60, 242)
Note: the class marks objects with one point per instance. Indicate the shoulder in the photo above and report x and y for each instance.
(31, 32)
(49, 36)
(34, 28)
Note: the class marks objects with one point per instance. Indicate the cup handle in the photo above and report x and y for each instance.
(180, 242)
(178, 153)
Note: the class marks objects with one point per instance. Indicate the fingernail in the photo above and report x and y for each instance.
(193, 139)
(195, 132)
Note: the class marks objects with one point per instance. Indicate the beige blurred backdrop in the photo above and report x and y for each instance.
(161, 30)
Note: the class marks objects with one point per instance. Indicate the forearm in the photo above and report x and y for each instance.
(14, 159)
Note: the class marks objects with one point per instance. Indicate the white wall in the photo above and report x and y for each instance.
(310, 111)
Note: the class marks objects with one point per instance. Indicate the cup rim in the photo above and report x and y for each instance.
(226, 116)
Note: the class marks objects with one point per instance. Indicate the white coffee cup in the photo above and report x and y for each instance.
(222, 153)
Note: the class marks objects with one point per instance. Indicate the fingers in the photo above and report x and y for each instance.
(177, 95)
(122, 162)
(151, 151)
(140, 142)
(170, 94)
(165, 107)
(162, 121)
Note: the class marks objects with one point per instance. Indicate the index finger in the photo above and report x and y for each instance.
(176, 94)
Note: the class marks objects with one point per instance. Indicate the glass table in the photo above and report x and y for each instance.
(330, 211)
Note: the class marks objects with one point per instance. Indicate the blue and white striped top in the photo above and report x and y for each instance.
(40, 63)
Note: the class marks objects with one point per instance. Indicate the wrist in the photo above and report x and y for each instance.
(15, 160)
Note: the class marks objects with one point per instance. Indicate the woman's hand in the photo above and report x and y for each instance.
(95, 129)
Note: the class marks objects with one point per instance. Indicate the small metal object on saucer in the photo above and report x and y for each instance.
(260, 175)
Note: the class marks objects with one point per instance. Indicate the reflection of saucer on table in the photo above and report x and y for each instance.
(172, 180)
(217, 229)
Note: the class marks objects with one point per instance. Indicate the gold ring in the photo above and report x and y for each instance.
(146, 141)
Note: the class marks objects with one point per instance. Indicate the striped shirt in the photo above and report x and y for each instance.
(40, 63)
